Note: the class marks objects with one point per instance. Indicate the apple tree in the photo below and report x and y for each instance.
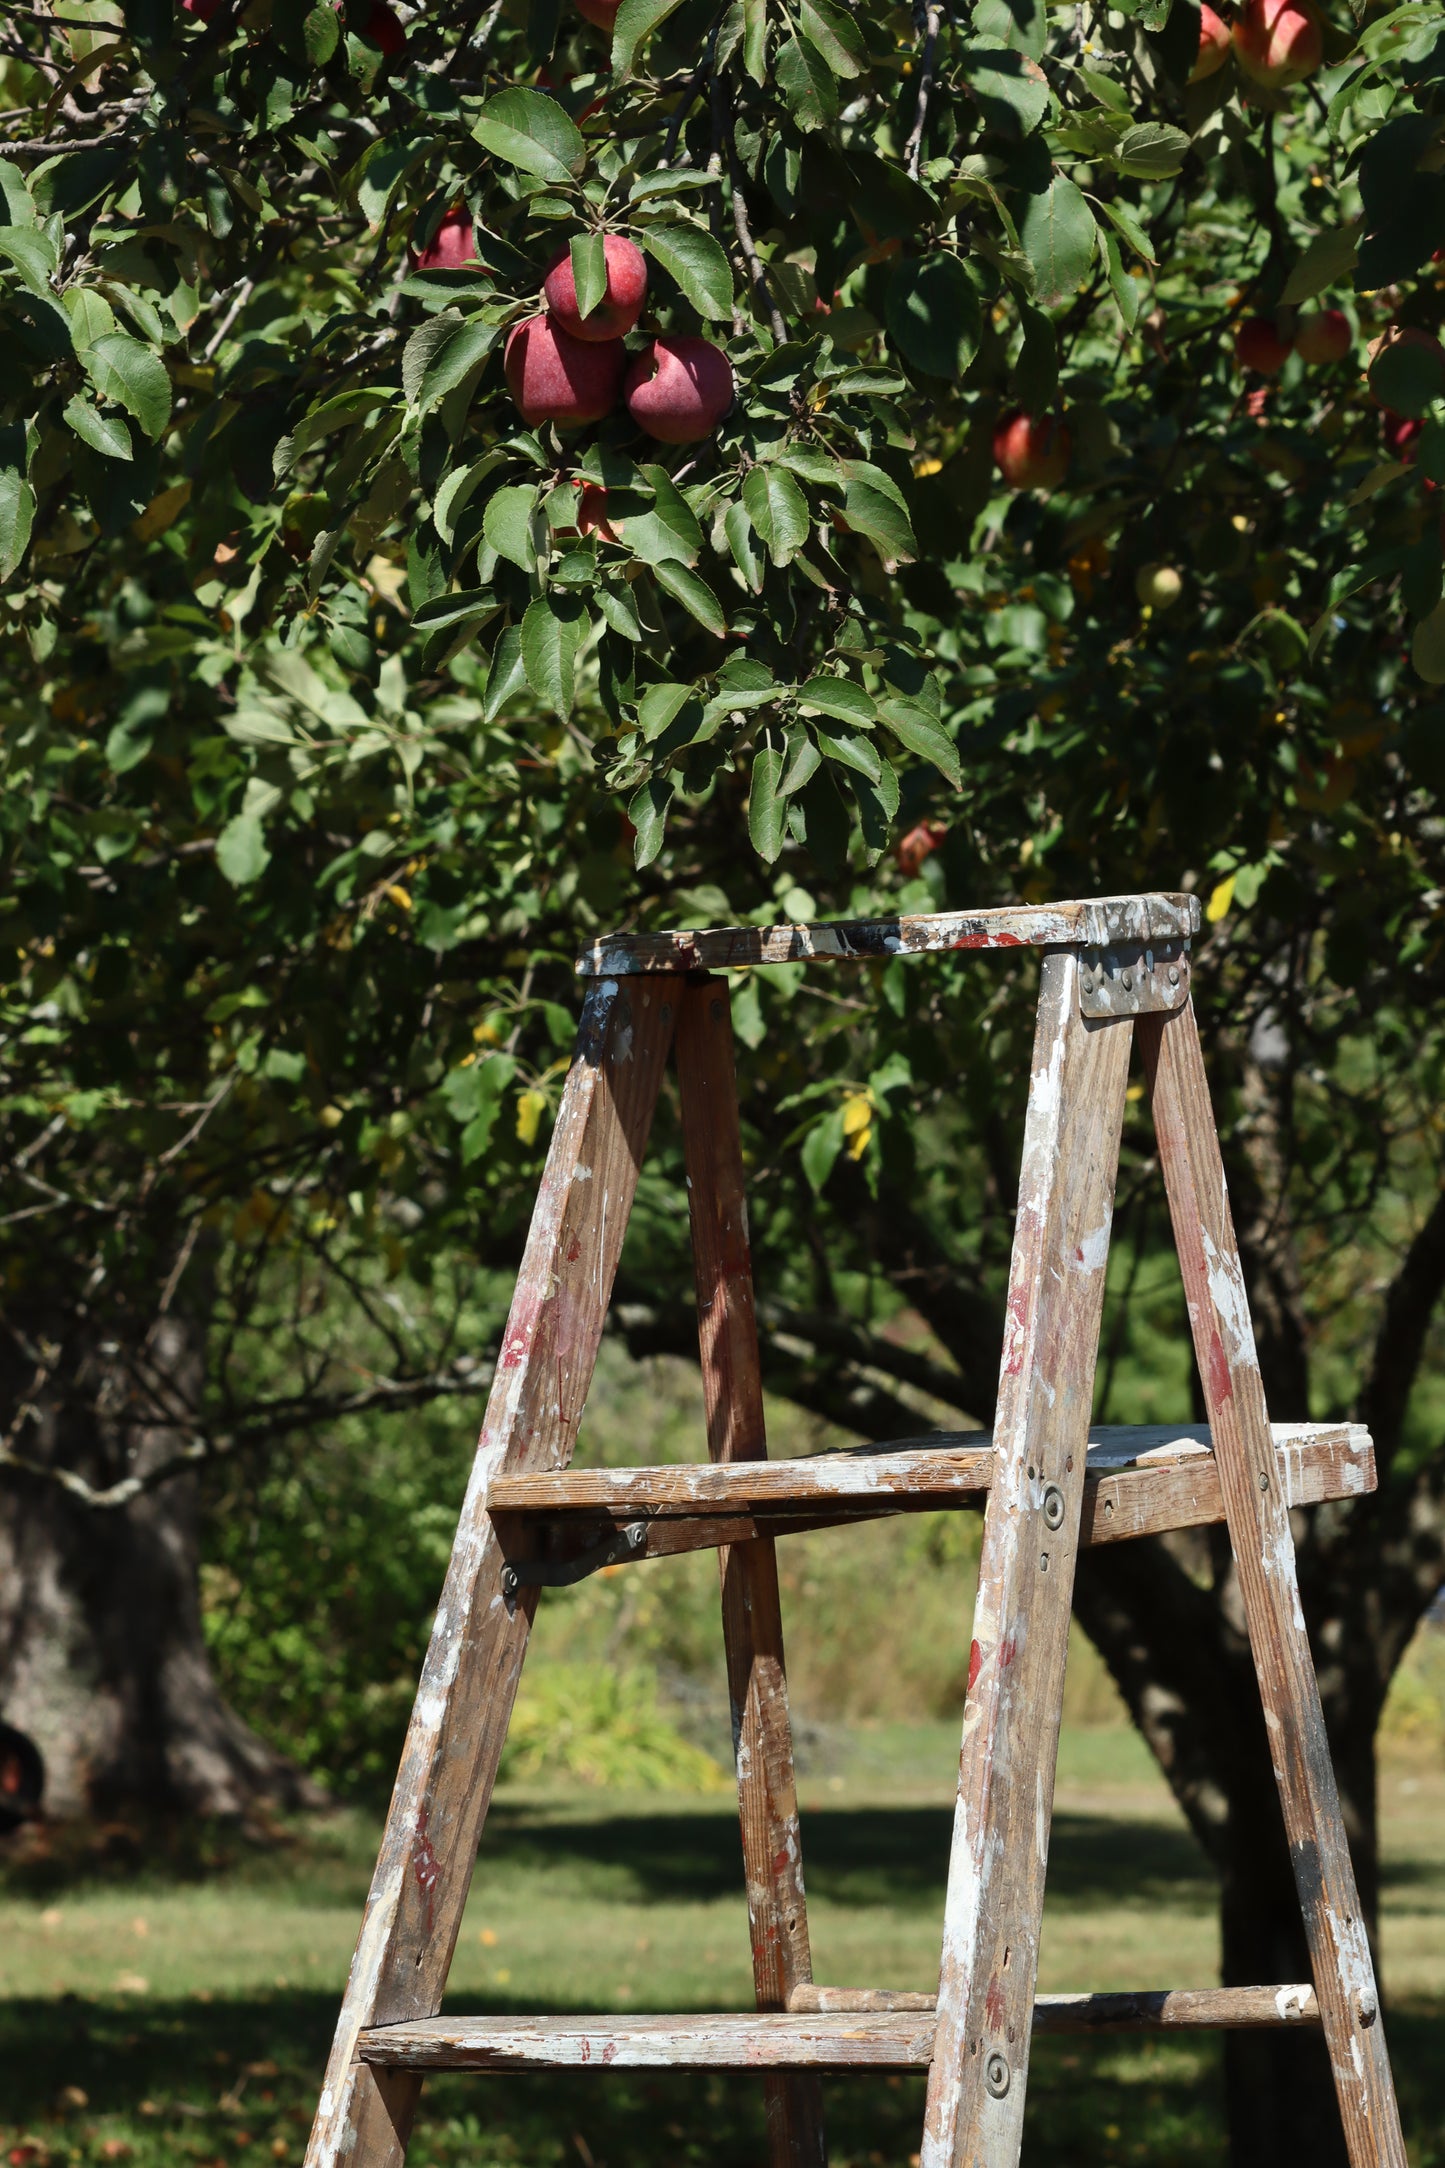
(1008, 467)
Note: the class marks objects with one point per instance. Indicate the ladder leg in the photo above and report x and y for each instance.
(752, 1616)
(1259, 1531)
(977, 2079)
(469, 1680)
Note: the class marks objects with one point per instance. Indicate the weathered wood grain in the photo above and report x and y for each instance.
(1258, 1516)
(1097, 920)
(927, 1473)
(752, 1613)
(828, 2028)
(464, 1701)
(994, 1900)
(1139, 2010)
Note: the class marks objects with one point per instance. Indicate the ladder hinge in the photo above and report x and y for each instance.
(1133, 978)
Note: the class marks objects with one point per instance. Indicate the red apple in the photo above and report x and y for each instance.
(1278, 42)
(452, 246)
(919, 843)
(1323, 336)
(1258, 346)
(621, 304)
(592, 513)
(1399, 433)
(679, 389)
(383, 29)
(556, 378)
(205, 9)
(1214, 43)
(1032, 452)
(601, 12)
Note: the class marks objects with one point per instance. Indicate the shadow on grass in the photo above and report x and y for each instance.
(194, 2085)
(895, 1856)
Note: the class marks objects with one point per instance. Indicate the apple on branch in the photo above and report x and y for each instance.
(679, 389)
(556, 378)
(1322, 337)
(621, 303)
(1258, 346)
(1032, 452)
(1214, 44)
(1279, 42)
(452, 246)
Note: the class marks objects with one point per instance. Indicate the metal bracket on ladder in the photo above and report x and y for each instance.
(1134, 978)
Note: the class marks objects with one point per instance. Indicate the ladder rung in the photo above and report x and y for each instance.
(1136, 2010)
(1142, 1478)
(887, 2038)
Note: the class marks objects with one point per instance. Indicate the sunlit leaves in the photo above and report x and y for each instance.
(697, 263)
(531, 132)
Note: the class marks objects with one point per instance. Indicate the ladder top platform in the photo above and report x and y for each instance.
(1095, 922)
(937, 1467)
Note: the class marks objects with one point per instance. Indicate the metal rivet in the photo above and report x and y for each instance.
(1367, 2007)
(1263, 1479)
(1053, 1507)
(1127, 981)
(1174, 974)
(997, 2075)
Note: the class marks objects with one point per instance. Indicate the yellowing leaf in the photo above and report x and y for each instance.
(1220, 900)
(530, 1109)
(399, 896)
(857, 1123)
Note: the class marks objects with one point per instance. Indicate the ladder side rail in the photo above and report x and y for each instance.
(1257, 1512)
(469, 1679)
(994, 1899)
(752, 1611)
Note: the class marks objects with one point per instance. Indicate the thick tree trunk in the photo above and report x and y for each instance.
(102, 1657)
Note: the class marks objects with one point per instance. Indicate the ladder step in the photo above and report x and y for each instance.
(1142, 1479)
(886, 2038)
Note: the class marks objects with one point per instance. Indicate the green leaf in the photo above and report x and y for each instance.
(834, 34)
(932, 315)
(1009, 88)
(455, 491)
(867, 511)
(241, 851)
(1329, 258)
(668, 529)
(30, 249)
(698, 264)
(127, 372)
(821, 1147)
(469, 606)
(636, 21)
(507, 675)
(839, 697)
(806, 82)
(1152, 151)
(657, 707)
(778, 511)
(1126, 292)
(755, 39)
(620, 611)
(738, 529)
(589, 270)
(321, 33)
(455, 362)
(104, 433)
(507, 525)
(1427, 649)
(422, 348)
(551, 635)
(1057, 234)
(647, 811)
(1120, 216)
(693, 593)
(913, 727)
(766, 805)
(1022, 24)
(849, 752)
(17, 513)
(531, 131)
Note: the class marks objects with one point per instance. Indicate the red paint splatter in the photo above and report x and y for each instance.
(425, 1867)
(993, 2004)
(780, 1862)
(574, 1251)
(975, 1664)
(586, 2055)
(1221, 1385)
(609, 2051)
(1008, 1649)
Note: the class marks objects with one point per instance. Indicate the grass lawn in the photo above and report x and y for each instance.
(181, 2017)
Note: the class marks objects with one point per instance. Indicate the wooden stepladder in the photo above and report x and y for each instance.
(1051, 1482)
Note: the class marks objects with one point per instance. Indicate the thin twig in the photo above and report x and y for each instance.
(744, 233)
(913, 149)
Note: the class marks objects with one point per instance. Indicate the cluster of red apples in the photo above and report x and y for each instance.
(1274, 42)
(382, 28)
(569, 369)
(1319, 339)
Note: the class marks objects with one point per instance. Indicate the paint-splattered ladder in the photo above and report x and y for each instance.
(1109, 967)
